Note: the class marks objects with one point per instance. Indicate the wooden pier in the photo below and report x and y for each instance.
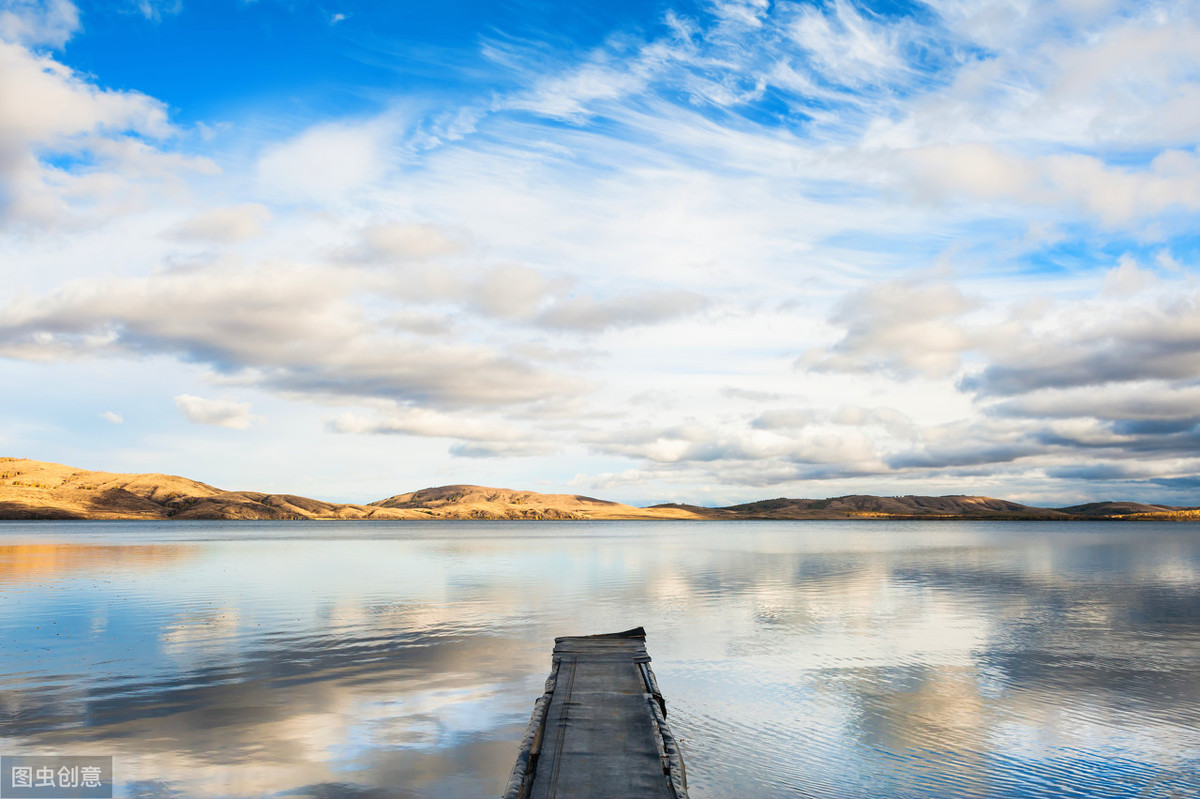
(600, 729)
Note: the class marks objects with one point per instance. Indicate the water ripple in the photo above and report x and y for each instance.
(799, 660)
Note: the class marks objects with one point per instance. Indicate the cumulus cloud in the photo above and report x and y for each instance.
(1114, 195)
(1155, 423)
(425, 422)
(474, 437)
(906, 327)
(1137, 327)
(420, 322)
(46, 109)
(38, 22)
(787, 419)
(584, 312)
(750, 395)
(777, 445)
(46, 103)
(1142, 401)
(980, 170)
(834, 448)
(224, 225)
(509, 291)
(521, 294)
(796, 419)
(1128, 278)
(112, 417)
(1095, 346)
(401, 241)
(503, 449)
(967, 453)
(216, 412)
(324, 162)
(689, 442)
(289, 328)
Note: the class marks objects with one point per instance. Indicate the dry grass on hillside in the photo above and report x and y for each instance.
(40, 490)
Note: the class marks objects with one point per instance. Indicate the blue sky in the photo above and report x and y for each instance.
(703, 252)
(236, 58)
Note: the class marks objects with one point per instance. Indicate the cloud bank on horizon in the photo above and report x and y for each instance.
(699, 251)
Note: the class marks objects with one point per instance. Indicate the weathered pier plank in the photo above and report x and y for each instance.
(599, 731)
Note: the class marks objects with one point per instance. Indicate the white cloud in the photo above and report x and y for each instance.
(402, 241)
(907, 327)
(224, 225)
(976, 169)
(45, 102)
(510, 291)
(47, 110)
(286, 327)
(1128, 278)
(503, 449)
(1145, 401)
(570, 96)
(474, 437)
(837, 449)
(1114, 195)
(217, 412)
(155, 10)
(507, 291)
(847, 47)
(113, 417)
(324, 162)
(747, 13)
(648, 307)
(425, 422)
(1145, 336)
(38, 22)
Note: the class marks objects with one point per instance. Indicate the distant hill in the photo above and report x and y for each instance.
(1108, 509)
(38, 490)
(479, 502)
(860, 506)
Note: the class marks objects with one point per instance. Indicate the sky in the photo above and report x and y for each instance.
(703, 252)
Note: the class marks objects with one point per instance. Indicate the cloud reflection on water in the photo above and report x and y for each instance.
(816, 659)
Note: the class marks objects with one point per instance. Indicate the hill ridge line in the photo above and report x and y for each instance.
(41, 490)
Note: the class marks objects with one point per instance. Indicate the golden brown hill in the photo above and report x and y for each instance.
(38, 490)
(479, 502)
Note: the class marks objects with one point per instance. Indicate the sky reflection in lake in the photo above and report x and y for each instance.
(819, 659)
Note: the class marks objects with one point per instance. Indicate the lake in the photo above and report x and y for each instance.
(798, 659)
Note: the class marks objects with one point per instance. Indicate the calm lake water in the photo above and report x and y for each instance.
(810, 659)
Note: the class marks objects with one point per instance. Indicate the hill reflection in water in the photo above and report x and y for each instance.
(843, 659)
